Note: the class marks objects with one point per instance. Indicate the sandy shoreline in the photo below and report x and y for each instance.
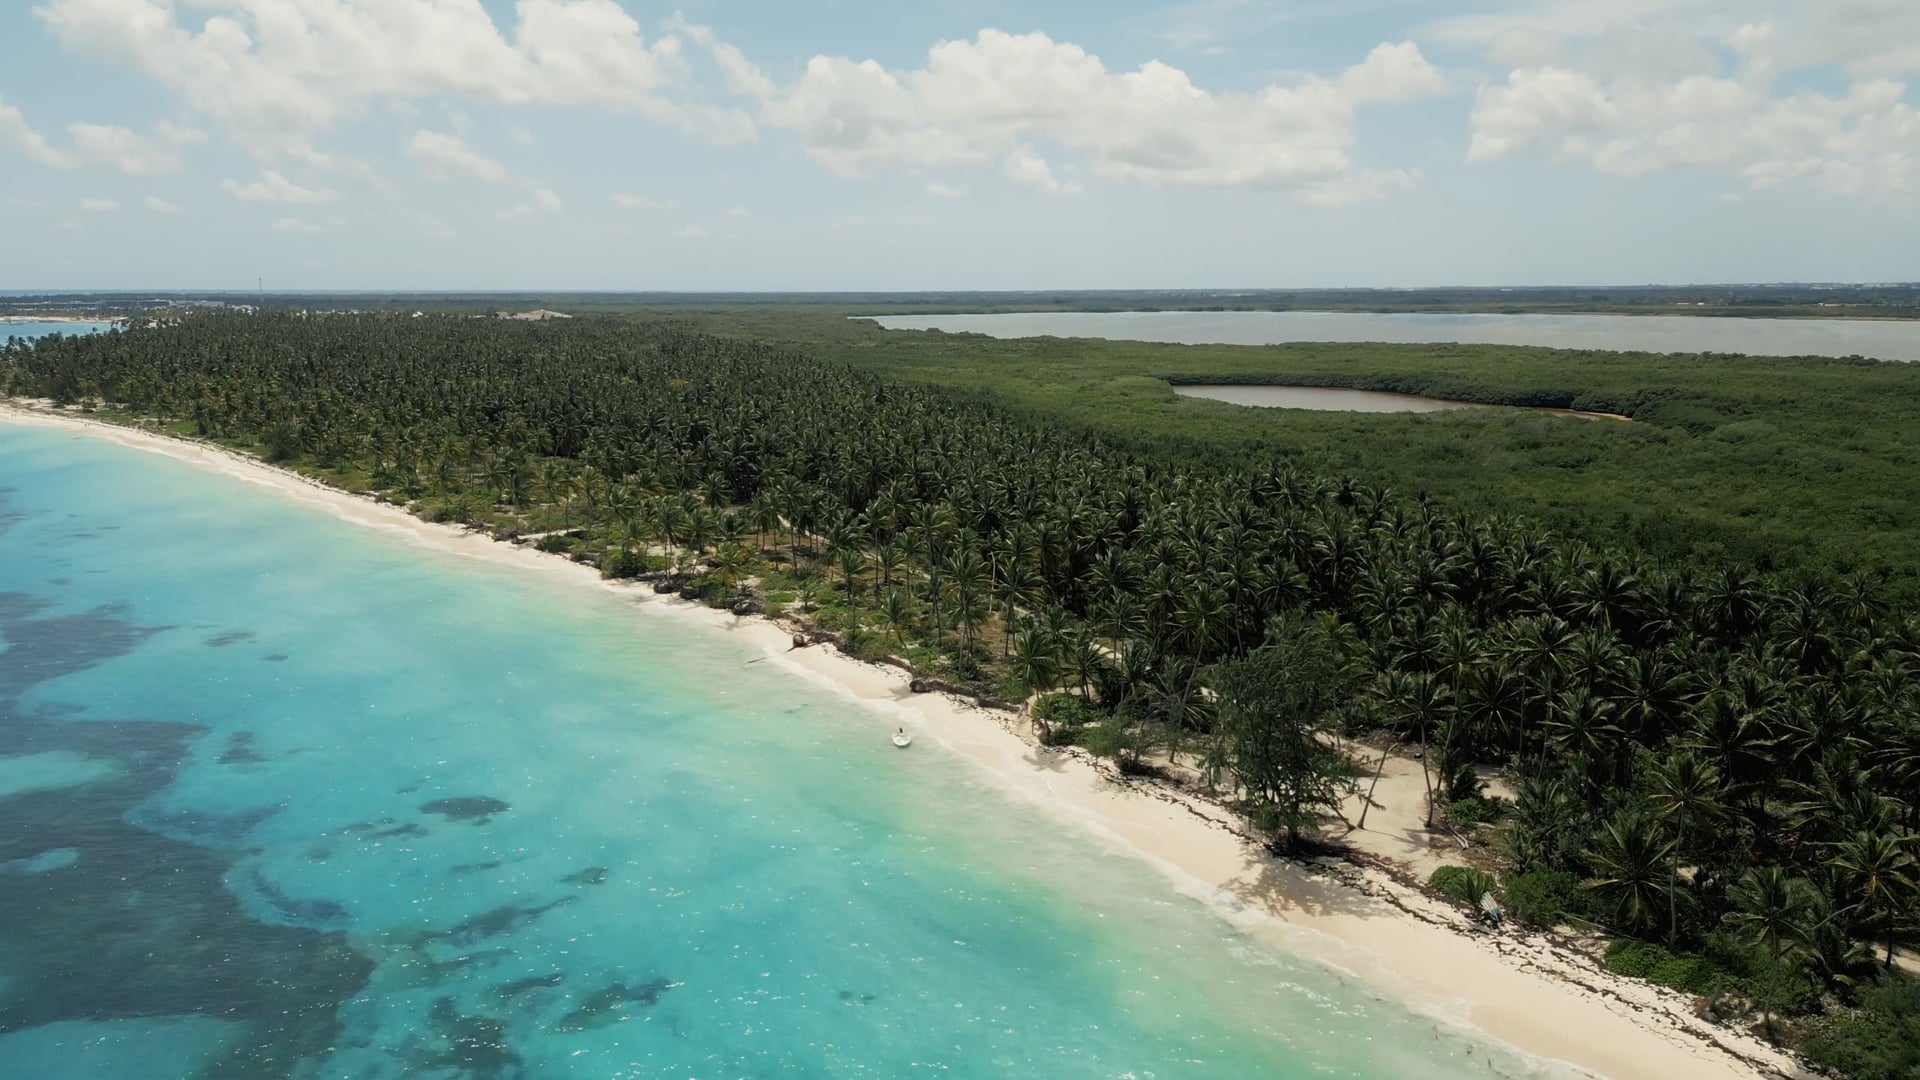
(1541, 998)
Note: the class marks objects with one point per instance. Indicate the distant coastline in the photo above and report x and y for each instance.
(1533, 992)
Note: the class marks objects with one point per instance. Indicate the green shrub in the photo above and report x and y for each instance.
(1463, 883)
(855, 639)
(964, 666)
(1546, 897)
(622, 563)
(1111, 737)
(1062, 717)
(1690, 973)
(1878, 1041)
(1475, 811)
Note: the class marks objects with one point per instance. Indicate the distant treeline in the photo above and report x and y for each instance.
(1782, 300)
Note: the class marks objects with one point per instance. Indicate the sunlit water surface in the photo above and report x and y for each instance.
(27, 331)
(1881, 339)
(280, 795)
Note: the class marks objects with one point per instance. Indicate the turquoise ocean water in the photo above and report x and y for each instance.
(282, 795)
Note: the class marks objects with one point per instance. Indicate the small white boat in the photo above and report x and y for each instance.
(902, 740)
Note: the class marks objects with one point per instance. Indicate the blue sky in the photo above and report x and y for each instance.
(621, 144)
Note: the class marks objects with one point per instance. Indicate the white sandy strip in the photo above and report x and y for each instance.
(1543, 999)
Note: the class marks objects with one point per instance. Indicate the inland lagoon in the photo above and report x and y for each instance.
(287, 795)
(29, 329)
(1342, 399)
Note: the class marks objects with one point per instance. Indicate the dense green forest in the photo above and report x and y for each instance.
(1716, 761)
(1775, 463)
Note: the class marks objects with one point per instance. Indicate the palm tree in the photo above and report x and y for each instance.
(1684, 788)
(1538, 646)
(1770, 912)
(898, 612)
(1633, 867)
(1034, 662)
(968, 572)
(852, 562)
(1878, 870)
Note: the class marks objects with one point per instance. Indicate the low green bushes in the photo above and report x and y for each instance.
(1061, 718)
(1689, 973)
(1547, 898)
(1879, 1040)
(1463, 883)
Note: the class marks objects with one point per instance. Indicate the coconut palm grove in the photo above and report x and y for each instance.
(1717, 766)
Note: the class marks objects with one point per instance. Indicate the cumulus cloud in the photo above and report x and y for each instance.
(450, 154)
(161, 206)
(99, 206)
(1031, 171)
(1648, 85)
(273, 187)
(995, 97)
(122, 150)
(539, 201)
(296, 225)
(20, 137)
(640, 202)
(98, 146)
(350, 167)
(945, 191)
(277, 71)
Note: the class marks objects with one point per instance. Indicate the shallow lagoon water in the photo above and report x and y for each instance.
(313, 802)
(1323, 399)
(1882, 339)
(28, 330)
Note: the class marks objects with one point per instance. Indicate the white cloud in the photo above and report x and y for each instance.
(117, 148)
(161, 206)
(450, 154)
(1642, 86)
(98, 146)
(521, 136)
(19, 136)
(296, 225)
(1672, 38)
(540, 201)
(1391, 73)
(738, 213)
(992, 98)
(945, 191)
(742, 75)
(99, 206)
(352, 168)
(278, 71)
(641, 202)
(691, 232)
(273, 187)
(1028, 170)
